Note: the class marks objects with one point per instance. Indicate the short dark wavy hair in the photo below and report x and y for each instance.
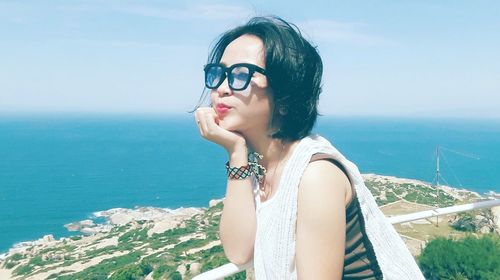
(293, 68)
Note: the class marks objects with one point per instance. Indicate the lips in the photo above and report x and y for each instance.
(222, 108)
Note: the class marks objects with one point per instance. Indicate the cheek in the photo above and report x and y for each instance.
(245, 93)
(264, 108)
(213, 96)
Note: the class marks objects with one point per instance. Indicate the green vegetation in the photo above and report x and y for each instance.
(27, 268)
(16, 257)
(159, 255)
(97, 252)
(134, 235)
(474, 221)
(23, 269)
(214, 258)
(374, 187)
(467, 258)
(171, 236)
(105, 267)
(132, 272)
(10, 264)
(76, 237)
(163, 270)
(182, 247)
(69, 248)
(55, 275)
(46, 250)
(411, 192)
(466, 221)
(429, 196)
(391, 197)
(13, 260)
(168, 255)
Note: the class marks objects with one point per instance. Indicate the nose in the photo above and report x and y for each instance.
(224, 88)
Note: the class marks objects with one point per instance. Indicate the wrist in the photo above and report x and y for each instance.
(238, 155)
(238, 158)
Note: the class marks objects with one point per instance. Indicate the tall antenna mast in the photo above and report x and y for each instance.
(438, 172)
(437, 166)
(437, 182)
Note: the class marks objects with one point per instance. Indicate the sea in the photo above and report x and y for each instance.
(57, 169)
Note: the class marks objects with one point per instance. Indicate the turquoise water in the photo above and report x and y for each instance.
(59, 169)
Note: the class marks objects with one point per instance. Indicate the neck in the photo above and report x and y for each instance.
(272, 150)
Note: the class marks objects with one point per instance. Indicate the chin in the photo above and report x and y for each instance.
(229, 124)
(226, 124)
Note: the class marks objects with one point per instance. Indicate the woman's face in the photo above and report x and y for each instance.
(248, 109)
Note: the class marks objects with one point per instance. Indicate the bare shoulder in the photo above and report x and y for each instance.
(321, 225)
(325, 181)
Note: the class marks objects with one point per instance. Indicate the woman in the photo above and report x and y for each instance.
(294, 205)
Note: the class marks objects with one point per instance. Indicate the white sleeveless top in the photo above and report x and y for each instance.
(274, 249)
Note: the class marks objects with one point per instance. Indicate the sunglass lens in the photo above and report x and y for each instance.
(213, 76)
(239, 78)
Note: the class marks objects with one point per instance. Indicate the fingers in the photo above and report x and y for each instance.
(205, 119)
(199, 117)
(208, 124)
(211, 117)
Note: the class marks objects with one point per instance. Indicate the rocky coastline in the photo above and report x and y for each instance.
(162, 218)
(185, 239)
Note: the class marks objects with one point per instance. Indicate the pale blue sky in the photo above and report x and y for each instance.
(390, 58)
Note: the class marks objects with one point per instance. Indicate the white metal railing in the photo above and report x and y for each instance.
(443, 211)
(231, 268)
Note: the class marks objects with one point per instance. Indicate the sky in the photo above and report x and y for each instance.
(381, 58)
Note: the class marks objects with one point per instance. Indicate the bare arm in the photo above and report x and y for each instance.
(321, 222)
(238, 221)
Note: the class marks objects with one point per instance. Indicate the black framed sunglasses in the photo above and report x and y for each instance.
(238, 75)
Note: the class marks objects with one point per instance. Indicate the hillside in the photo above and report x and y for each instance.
(177, 244)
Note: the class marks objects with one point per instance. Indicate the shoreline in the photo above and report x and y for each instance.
(179, 240)
(446, 188)
(112, 218)
(106, 220)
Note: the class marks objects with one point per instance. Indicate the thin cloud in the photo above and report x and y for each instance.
(18, 20)
(342, 32)
(213, 12)
(117, 43)
(198, 11)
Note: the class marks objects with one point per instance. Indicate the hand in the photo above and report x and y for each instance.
(208, 124)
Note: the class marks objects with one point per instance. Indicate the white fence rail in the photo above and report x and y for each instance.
(230, 268)
(443, 211)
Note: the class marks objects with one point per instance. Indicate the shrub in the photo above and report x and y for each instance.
(161, 270)
(10, 264)
(16, 257)
(132, 272)
(465, 222)
(105, 267)
(467, 258)
(23, 270)
(134, 235)
(175, 276)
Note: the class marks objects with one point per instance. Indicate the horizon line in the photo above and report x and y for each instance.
(188, 114)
